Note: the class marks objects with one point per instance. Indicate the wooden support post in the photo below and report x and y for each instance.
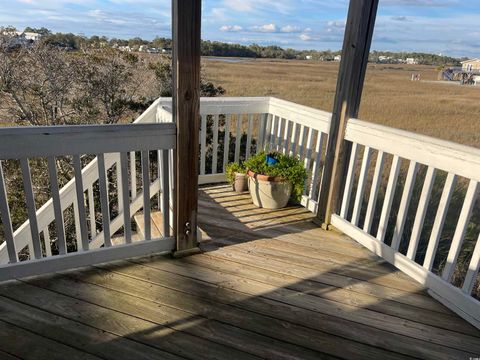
(186, 17)
(356, 47)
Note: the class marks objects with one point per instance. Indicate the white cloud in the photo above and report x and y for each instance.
(336, 27)
(267, 28)
(215, 16)
(52, 4)
(97, 14)
(231, 28)
(305, 37)
(290, 29)
(399, 18)
(428, 3)
(218, 11)
(282, 6)
(337, 23)
(426, 34)
(246, 5)
(155, 3)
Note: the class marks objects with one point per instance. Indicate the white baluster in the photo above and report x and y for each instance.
(404, 203)
(387, 202)
(349, 181)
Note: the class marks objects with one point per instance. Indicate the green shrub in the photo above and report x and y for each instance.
(233, 168)
(289, 168)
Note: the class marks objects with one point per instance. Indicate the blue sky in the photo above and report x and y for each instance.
(450, 27)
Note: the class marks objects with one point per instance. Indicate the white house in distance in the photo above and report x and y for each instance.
(125, 48)
(20, 38)
(471, 65)
(411, 61)
(337, 58)
(30, 36)
(383, 58)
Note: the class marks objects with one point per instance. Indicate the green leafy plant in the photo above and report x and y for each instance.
(289, 168)
(233, 168)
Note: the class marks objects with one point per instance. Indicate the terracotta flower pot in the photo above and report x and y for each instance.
(269, 192)
(241, 183)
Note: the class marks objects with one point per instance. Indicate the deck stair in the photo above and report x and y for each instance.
(157, 225)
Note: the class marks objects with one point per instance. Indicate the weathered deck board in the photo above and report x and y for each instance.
(270, 284)
(290, 314)
(25, 344)
(76, 334)
(310, 302)
(277, 277)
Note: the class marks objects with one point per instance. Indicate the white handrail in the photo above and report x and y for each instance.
(443, 155)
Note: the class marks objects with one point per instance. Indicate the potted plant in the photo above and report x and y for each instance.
(236, 176)
(274, 178)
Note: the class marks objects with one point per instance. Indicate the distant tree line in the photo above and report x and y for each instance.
(421, 58)
(81, 42)
(216, 48)
(222, 49)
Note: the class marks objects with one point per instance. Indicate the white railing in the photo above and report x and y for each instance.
(300, 131)
(388, 216)
(232, 129)
(244, 126)
(67, 194)
(382, 227)
(112, 145)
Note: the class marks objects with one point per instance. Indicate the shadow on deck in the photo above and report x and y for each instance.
(270, 284)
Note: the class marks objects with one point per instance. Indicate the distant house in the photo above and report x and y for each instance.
(125, 48)
(20, 38)
(384, 59)
(471, 65)
(411, 61)
(31, 36)
(143, 48)
(308, 57)
(337, 58)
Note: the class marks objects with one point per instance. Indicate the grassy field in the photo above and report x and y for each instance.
(433, 108)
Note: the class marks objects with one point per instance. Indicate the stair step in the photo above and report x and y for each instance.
(120, 239)
(156, 225)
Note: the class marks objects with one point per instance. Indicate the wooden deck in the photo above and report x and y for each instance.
(270, 284)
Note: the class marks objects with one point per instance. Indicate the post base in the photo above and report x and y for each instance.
(322, 224)
(187, 252)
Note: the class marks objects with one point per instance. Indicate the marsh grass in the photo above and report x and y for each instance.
(428, 107)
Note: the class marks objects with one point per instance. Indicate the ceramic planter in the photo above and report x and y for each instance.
(269, 192)
(241, 183)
